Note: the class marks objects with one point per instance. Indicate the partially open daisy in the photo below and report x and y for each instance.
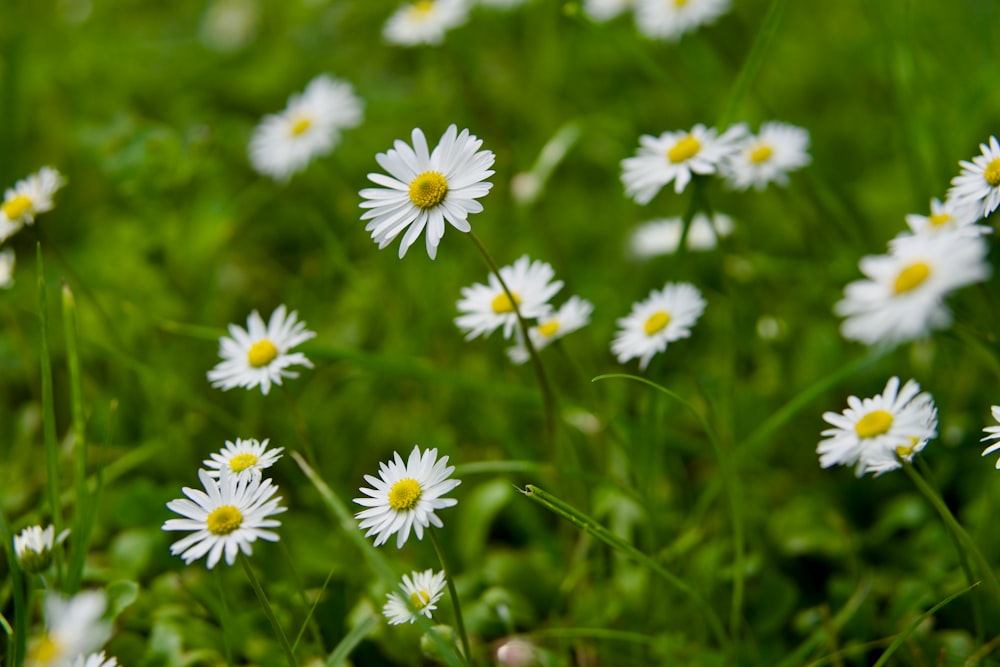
(7, 260)
(992, 433)
(978, 184)
(33, 547)
(284, 143)
(424, 21)
(427, 189)
(670, 19)
(421, 591)
(665, 316)
(663, 236)
(485, 308)
(95, 660)
(948, 216)
(572, 315)
(73, 626)
(767, 157)
(227, 517)
(29, 197)
(244, 458)
(259, 354)
(404, 496)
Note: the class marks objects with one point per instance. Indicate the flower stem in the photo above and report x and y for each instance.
(289, 655)
(453, 593)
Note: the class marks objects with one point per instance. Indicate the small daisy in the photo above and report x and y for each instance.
(310, 126)
(605, 10)
(978, 184)
(228, 516)
(259, 355)
(949, 216)
(421, 591)
(875, 433)
(33, 547)
(572, 315)
(73, 626)
(427, 189)
(902, 297)
(992, 433)
(768, 157)
(665, 316)
(28, 198)
(424, 22)
(245, 458)
(670, 19)
(675, 156)
(7, 268)
(662, 237)
(485, 308)
(405, 496)
(95, 660)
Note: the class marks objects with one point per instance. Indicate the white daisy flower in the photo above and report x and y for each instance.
(873, 434)
(978, 184)
(663, 236)
(284, 143)
(665, 316)
(95, 660)
(670, 19)
(767, 157)
(421, 591)
(501, 4)
(485, 308)
(675, 156)
(992, 433)
(572, 315)
(244, 458)
(427, 189)
(29, 197)
(902, 297)
(33, 547)
(605, 10)
(949, 216)
(424, 22)
(405, 496)
(73, 626)
(259, 354)
(7, 268)
(228, 516)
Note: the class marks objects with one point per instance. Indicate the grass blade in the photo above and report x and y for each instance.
(351, 641)
(902, 636)
(81, 512)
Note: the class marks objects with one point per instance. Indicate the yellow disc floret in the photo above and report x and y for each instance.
(762, 153)
(422, 8)
(44, 651)
(549, 329)
(262, 353)
(224, 520)
(657, 322)
(501, 303)
(301, 125)
(241, 462)
(992, 173)
(875, 423)
(428, 189)
(419, 599)
(16, 207)
(906, 451)
(911, 277)
(405, 494)
(939, 219)
(685, 149)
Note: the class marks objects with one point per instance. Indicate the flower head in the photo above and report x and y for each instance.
(992, 433)
(485, 308)
(767, 157)
(424, 21)
(670, 19)
(978, 184)
(572, 315)
(95, 660)
(29, 197)
(421, 591)
(7, 268)
(948, 217)
(244, 458)
(665, 316)
(663, 236)
(73, 626)
(33, 547)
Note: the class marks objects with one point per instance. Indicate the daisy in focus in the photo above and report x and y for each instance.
(285, 143)
(875, 434)
(7, 260)
(663, 237)
(405, 496)
(424, 22)
(945, 217)
(485, 308)
(73, 626)
(665, 316)
(605, 10)
(33, 547)
(260, 354)
(427, 188)
(676, 156)
(670, 19)
(244, 458)
(29, 197)
(572, 315)
(421, 591)
(227, 517)
(95, 660)
(992, 433)
(768, 157)
(978, 184)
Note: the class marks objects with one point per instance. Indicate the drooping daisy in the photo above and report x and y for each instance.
(424, 22)
(33, 547)
(427, 189)
(675, 156)
(949, 216)
(572, 315)
(902, 297)
(662, 237)
(228, 516)
(874, 434)
(7, 268)
(29, 197)
(284, 143)
(259, 354)
(665, 316)
(73, 626)
(404, 497)
(670, 19)
(605, 10)
(95, 660)
(421, 591)
(978, 184)
(244, 458)
(767, 157)
(992, 433)
(485, 308)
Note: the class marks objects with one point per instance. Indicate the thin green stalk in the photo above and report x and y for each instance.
(48, 405)
(915, 623)
(453, 592)
(351, 641)
(308, 622)
(695, 205)
(223, 618)
(78, 546)
(300, 425)
(266, 606)
(18, 644)
(846, 613)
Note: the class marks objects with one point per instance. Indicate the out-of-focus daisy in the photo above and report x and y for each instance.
(768, 157)
(874, 434)
(244, 458)
(978, 184)
(948, 216)
(424, 21)
(572, 315)
(95, 660)
(228, 516)
(427, 189)
(259, 354)
(284, 143)
(7, 268)
(992, 433)
(29, 197)
(675, 156)
(501, 4)
(665, 316)
(605, 10)
(421, 591)
(670, 19)
(404, 496)
(662, 237)
(485, 308)
(902, 297)
(73, 626)
(33, 547)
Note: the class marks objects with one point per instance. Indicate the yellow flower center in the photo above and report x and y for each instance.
(241, 462)
(680, 3)
(419, 599)
(301, 124)
(685, 149)
(762, 153)
(405, 494)
(549, 328)
(224, 520)
(428, 189)
(16, 207)
(939, 219)
(44, 651)
(657, 322)
(906, 451)
(501, 303)
(992, 173)
(262, 353)
(874, 423)
(422, 9)
(911, 277)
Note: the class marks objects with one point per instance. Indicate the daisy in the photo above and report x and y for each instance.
(95, 660)
(426, 189)
(875, 433)
(284, 143)
(670, 19)
(405, 496)
(949, 216)
(228, 516)
(767, 157)
(665, 316)
(33, 547)
(73, 626)
(675, 156)
(28, 198)
(424, 22)
(978, 184)
(605, 10)
(992, 433)
(485, 308)
(259, 354)
(245, 458)
(663, 236)
(902, 297)
(6, 268)
(572, 315)
(421, 591)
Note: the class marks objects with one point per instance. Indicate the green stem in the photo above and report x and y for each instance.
(300, 426)
(223, 618)
(915, 623)
(453, 592)
(48, 401)
(697, 195)
(17, 645)
(78, 547)
(289, 655)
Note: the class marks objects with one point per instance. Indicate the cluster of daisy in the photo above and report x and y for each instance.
(29, 197)
(661, 19)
